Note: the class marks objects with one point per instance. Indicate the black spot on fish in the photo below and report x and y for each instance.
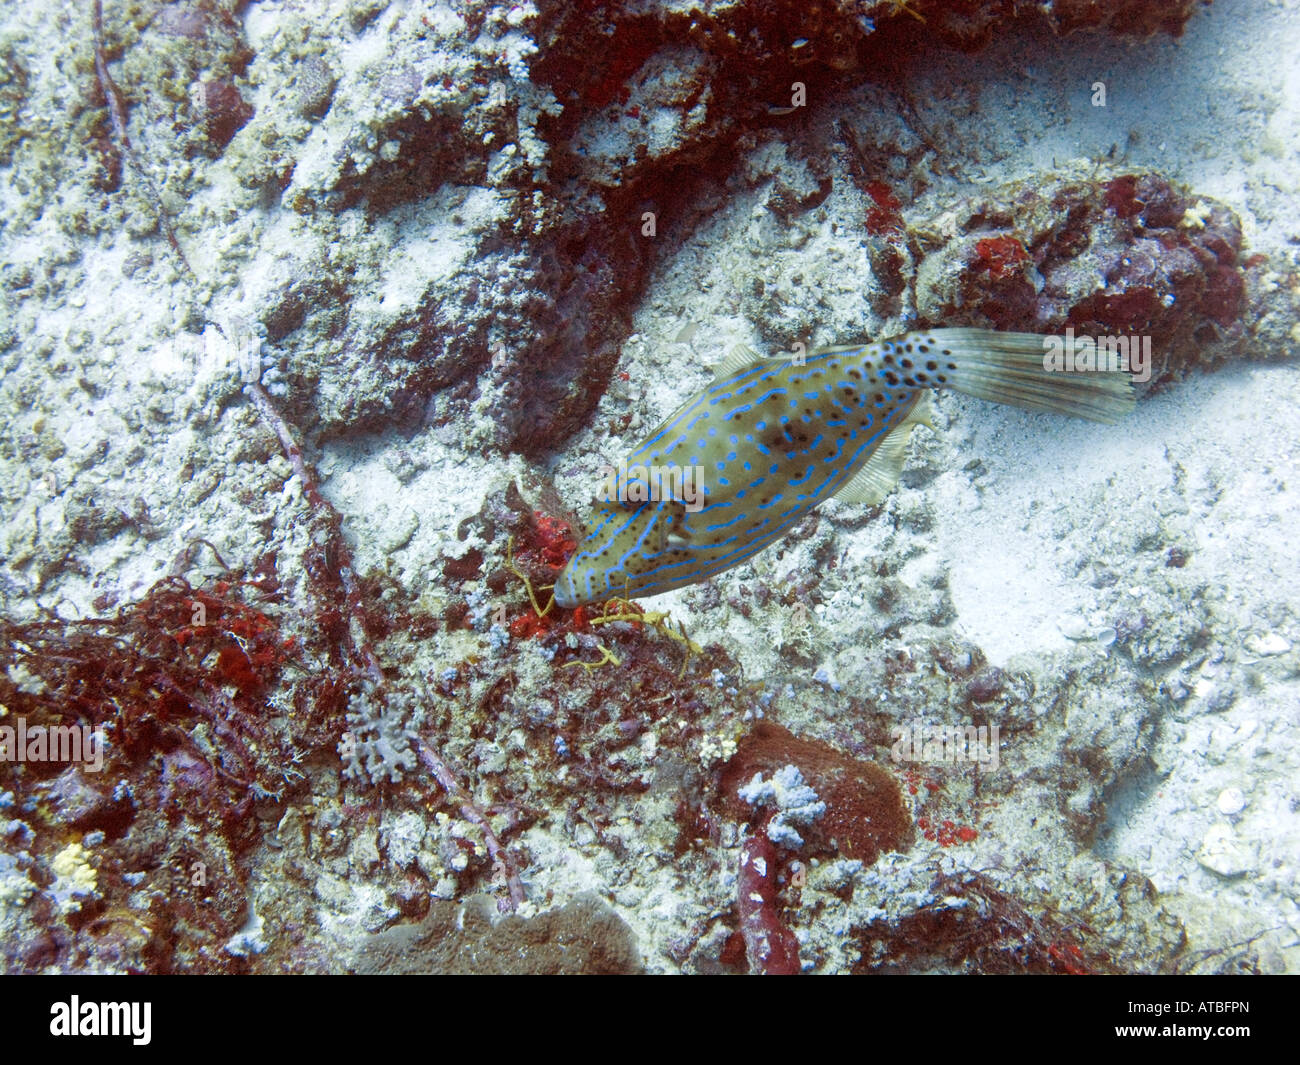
(774, 437)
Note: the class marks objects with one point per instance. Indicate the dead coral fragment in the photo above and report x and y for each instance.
(864, 812)
(584, 936)
(76, 879)
(770, 946)
(1109, 257)
(972, 926)
(224, 112)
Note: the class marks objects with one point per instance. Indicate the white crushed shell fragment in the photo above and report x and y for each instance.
(1231, 801)
(1270, 643)
(760, 866)
(1223, 853)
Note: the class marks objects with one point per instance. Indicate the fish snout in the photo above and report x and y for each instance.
(566, 589)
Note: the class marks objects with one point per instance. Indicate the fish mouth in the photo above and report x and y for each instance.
(566, 593)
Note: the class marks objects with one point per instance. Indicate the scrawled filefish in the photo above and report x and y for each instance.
(740, 463)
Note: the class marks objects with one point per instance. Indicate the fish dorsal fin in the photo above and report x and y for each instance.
(738, 358)
(879, 476)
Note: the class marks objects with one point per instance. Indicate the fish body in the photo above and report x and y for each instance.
(740, 463)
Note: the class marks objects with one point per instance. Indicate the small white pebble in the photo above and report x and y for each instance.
(1269, 643)
(1231, 801)
(1073, 628)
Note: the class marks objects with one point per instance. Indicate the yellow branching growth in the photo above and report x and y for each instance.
(898, 7)
(613, 610)
(606, 656)
(624, 610)
(532, 598)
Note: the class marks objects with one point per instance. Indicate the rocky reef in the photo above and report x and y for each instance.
(316, 322)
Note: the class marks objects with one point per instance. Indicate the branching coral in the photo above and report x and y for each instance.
(378, 745)
(791, 801)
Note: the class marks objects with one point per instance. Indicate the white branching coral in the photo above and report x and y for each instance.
(378, 744)
(75, 880)
(795, 803)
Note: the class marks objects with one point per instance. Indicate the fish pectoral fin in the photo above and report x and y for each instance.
(678, 538)
(879, 476)
(676, 533)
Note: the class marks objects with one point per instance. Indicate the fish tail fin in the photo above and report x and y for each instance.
(1013, 368)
